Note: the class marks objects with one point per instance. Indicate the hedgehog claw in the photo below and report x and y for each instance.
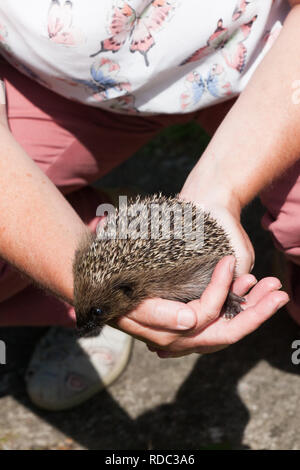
(232, 305)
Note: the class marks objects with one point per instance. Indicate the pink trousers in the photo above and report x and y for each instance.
(75, 145)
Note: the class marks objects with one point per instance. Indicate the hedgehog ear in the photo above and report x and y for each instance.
(127, 287)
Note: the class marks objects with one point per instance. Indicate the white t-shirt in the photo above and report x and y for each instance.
(140, 56)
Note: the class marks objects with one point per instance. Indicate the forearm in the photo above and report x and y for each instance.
(260, 136)
(39, 230)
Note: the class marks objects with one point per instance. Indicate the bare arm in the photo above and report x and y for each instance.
(260, 137)
(256, 142)
(39, 230)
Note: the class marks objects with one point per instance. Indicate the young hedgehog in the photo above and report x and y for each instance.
(113, 274)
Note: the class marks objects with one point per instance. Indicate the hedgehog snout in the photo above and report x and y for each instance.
(90, 322)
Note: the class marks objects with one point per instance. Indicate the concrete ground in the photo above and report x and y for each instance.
(245, 397)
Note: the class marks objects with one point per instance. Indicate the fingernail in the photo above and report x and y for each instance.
(254, 281)
(186, 319)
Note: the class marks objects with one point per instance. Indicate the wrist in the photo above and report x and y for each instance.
(207, 186)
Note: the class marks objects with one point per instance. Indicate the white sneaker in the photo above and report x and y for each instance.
(65, 370)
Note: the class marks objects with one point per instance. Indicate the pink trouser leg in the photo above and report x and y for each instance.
(282, 220)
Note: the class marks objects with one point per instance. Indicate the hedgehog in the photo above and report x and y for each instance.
(152, 246)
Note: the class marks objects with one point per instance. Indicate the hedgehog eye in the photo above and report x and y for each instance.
(96, 312)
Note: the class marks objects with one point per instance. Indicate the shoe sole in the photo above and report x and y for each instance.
(105, 383)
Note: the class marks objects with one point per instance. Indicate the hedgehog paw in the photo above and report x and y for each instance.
(232, 305)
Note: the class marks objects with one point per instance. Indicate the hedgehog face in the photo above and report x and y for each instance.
(96, 305)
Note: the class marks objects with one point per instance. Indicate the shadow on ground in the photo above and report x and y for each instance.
(206, 409)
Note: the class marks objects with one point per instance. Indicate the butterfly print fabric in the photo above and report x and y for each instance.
(136, 27)
(140, 56)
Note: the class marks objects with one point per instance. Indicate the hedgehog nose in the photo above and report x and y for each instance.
(83, 322)
(87, 326)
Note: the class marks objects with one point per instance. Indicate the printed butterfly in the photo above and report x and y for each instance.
(235, 51)
(60, 24)
(216, 84)
(128, 23)
(240, 9)
(216, 41)
(105, 83)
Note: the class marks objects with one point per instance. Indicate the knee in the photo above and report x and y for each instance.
(285, 231)
(11, 281)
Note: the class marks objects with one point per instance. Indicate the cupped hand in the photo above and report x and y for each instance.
(175, 329)
(228, 217)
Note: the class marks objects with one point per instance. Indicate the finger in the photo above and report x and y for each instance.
(209, 306)
(202, 350)
(168, 355)
(268, 284)
(164, 314)
(243, 284)
(223, 332)
(211, 349)
(157, 338)
(173, 316)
